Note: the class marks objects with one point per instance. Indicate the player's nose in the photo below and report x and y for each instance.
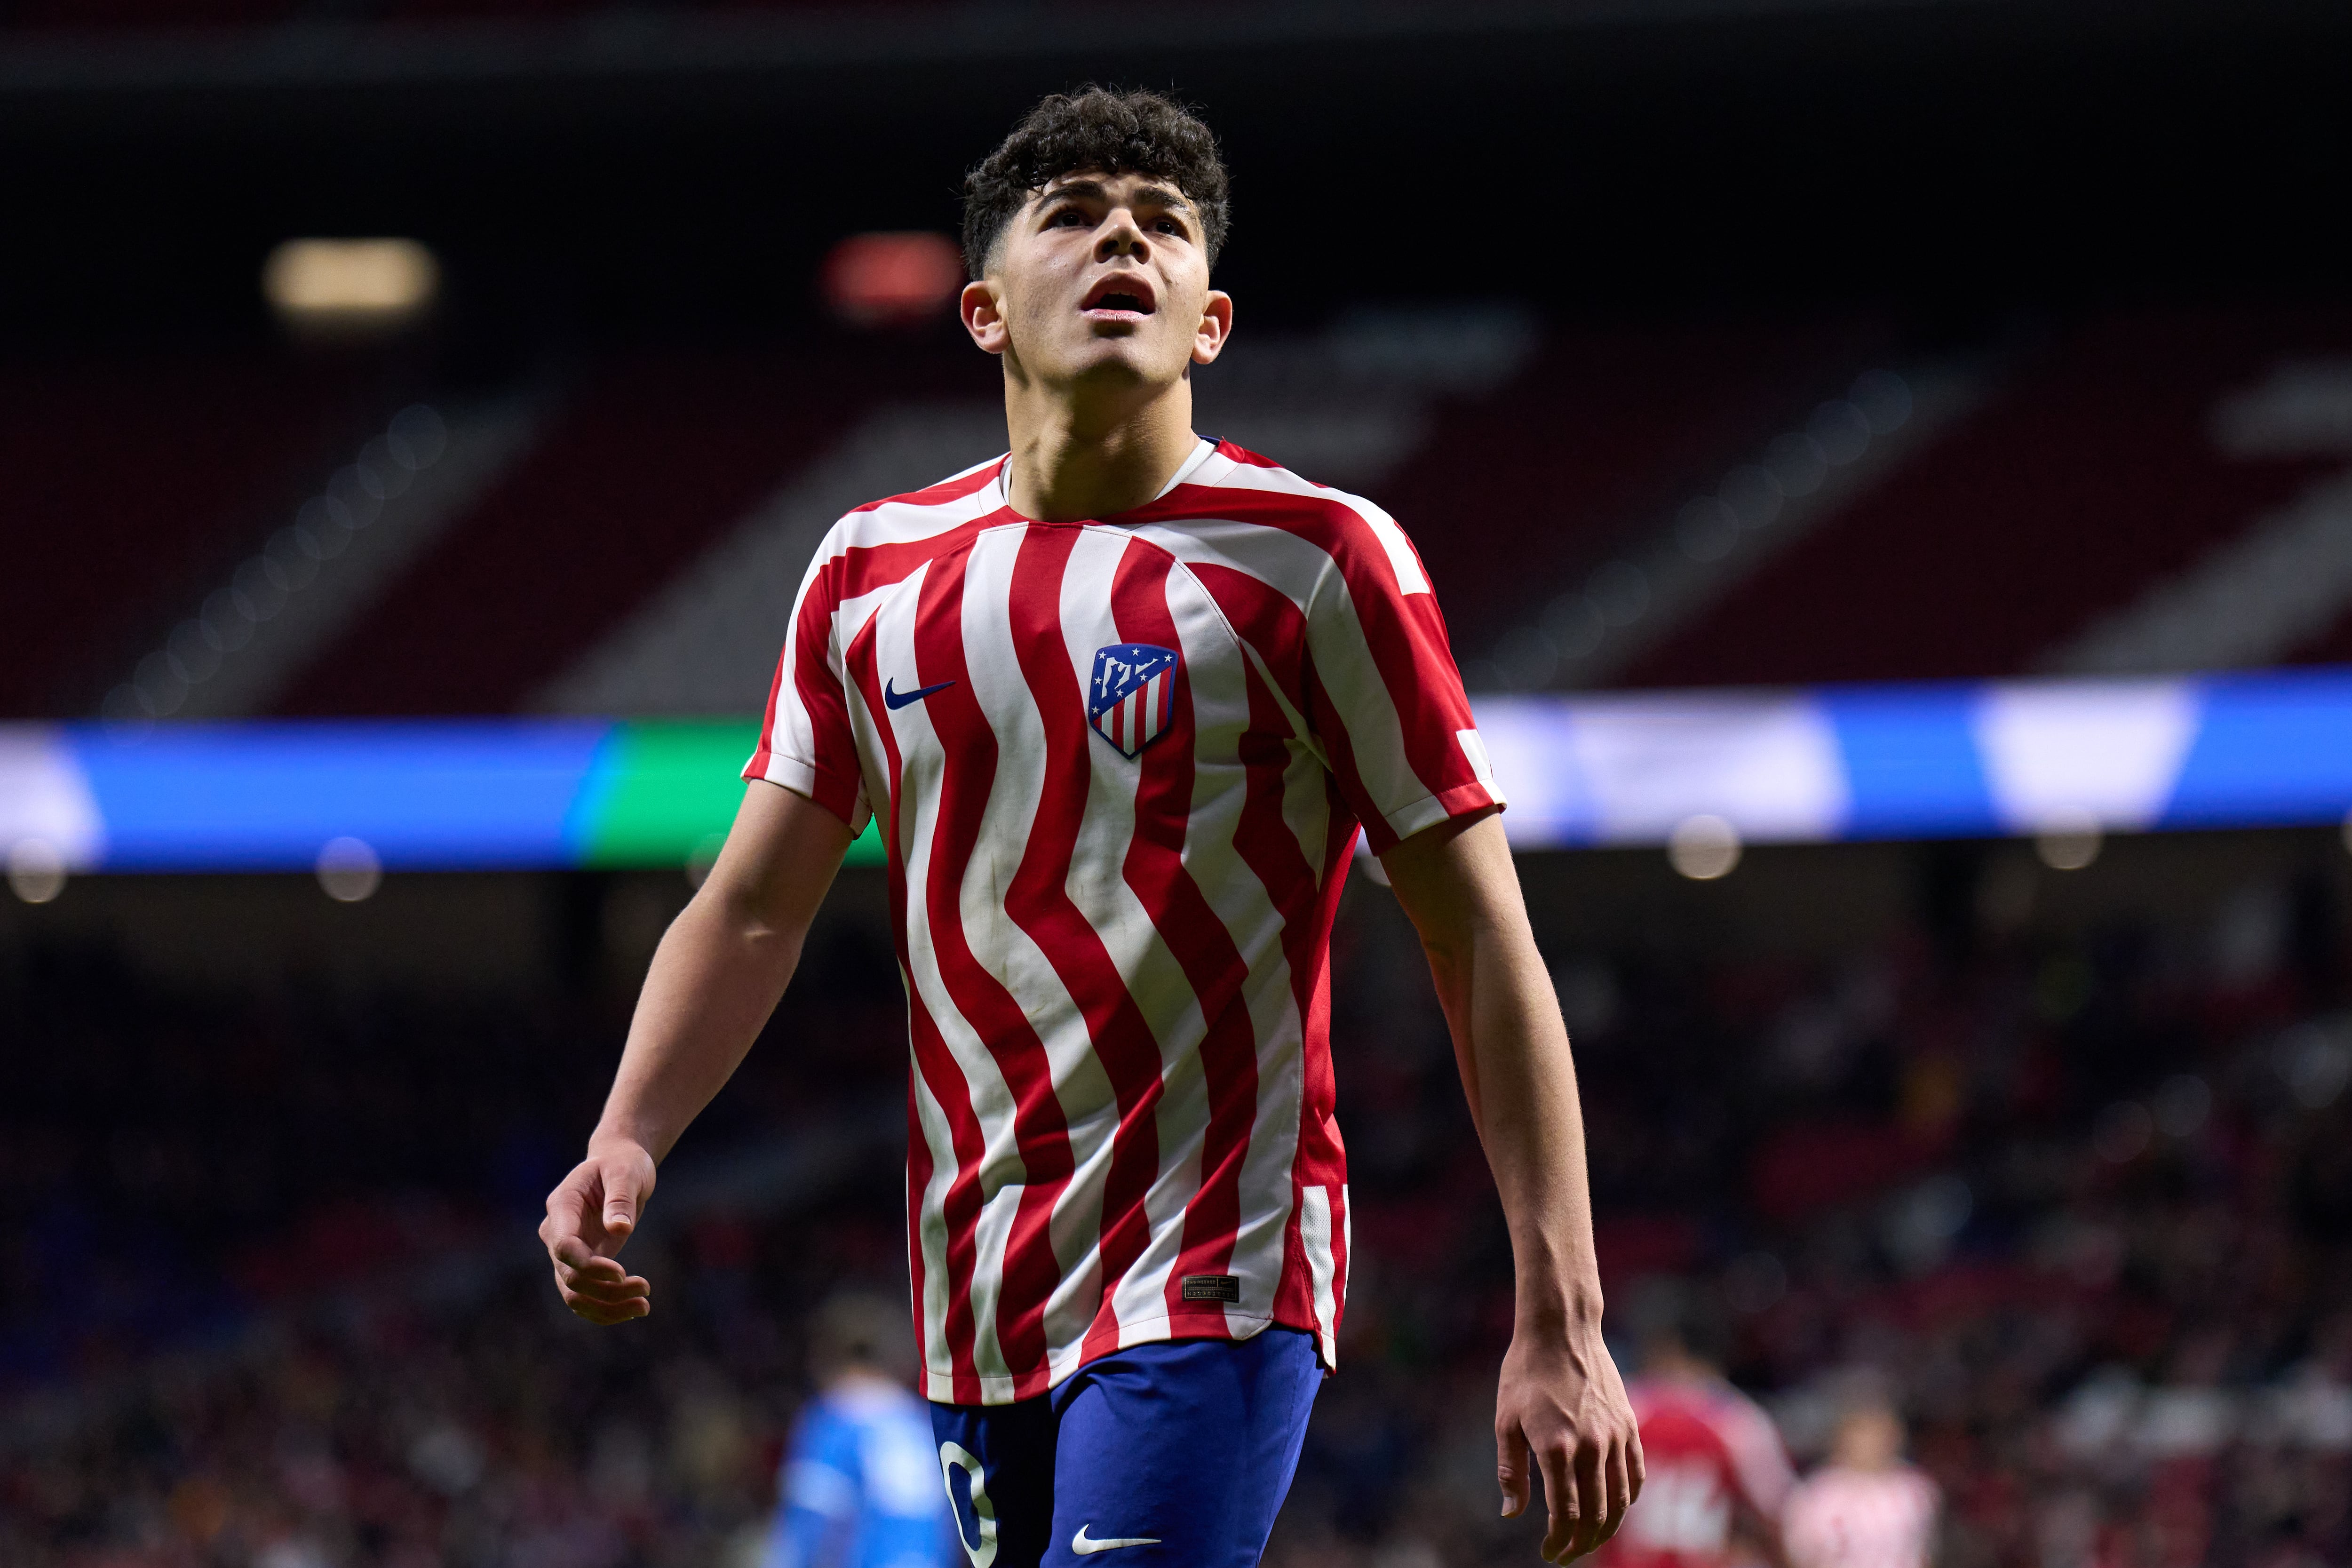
(1120, 236)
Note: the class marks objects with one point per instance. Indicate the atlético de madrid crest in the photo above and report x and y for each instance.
(1133, 696)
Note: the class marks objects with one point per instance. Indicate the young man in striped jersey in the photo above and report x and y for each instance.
(1122, 700)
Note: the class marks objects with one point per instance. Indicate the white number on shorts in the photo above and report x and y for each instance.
(984, 1513)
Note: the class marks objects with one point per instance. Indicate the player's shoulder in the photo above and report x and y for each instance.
(1241, 478)
(1236, 486)
(944, 504)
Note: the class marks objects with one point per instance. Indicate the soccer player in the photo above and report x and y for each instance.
(1867, 1507)
(1717, 1471)
(861, 1482)
(1121, 700)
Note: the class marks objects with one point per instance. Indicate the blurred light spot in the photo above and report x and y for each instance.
(125, 711)
(227, 627)
(2122, 1132)
(349, 284)
(1841, 429)
(348, 869)
(191, 653)
(417, 436)
(2069, 846)
(1707, 528)
(1621, 591)
(1573, 622)
(1754, 496)
(2316, 1063)
(380, 473)
(1884, 399)
(877, 279)
(161, 686)
(1528, 657)
(448, 1458)
(355, 500)
(2182, 1105)
(37, 871)
(327, 523)
(256, 595)
(1919, 1226)
(1797, 462)
(1704, 847)
(291, 559)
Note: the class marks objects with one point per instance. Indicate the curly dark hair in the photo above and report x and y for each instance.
(1098, 130)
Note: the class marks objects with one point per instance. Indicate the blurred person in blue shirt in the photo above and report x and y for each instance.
(861, 1485)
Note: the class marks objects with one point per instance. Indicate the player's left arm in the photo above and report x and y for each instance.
(1561, 1402)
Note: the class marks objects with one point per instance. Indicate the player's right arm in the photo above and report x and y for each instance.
(715, 977)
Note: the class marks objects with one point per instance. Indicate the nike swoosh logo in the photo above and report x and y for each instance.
(1083, 1547)
(894, 701)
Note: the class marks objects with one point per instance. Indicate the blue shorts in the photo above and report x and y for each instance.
(1175, 1453)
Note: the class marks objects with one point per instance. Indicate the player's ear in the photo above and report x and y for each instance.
(982, 314)
(1216, 326)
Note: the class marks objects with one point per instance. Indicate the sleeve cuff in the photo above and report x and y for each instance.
(1462, 800)
(843, 795)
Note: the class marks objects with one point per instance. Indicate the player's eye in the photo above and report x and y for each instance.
(1067, 216)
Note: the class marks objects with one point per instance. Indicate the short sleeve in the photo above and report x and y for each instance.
(1386, 698)
(806, 743)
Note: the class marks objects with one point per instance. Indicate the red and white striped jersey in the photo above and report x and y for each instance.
(1120, 767)
(1709, 1450)
(1862, 1518)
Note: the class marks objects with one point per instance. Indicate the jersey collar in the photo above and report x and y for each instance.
(1204, 449)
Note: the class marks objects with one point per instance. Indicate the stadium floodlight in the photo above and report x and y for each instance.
(349, 284)
(1704, 847)
(36, 870)
(882, 279)
(348, 869)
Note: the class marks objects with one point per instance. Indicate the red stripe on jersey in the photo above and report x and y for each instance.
(919, 1171)
(966, 775)
(1039, 902)
(1245, 455)
(960, 1210)
(946, 490)
(1203, 948)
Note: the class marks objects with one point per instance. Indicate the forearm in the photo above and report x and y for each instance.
(1463, 894)
(714, 978)
(1521, 1079)
(1559, 1406)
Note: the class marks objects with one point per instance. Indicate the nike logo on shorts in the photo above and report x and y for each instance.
(1083, 1546)
(894, 701)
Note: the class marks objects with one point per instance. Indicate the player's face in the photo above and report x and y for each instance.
(1100, 278)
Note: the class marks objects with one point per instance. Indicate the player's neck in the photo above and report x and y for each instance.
(1085, 452)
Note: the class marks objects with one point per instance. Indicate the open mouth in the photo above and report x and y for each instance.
(1127, 296)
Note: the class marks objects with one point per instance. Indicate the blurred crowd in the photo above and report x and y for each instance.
(2077, 1208)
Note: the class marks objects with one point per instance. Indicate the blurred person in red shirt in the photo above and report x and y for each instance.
(1717, 1473)
(1867, 1507)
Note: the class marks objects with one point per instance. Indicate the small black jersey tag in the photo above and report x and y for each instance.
(1213, 1286)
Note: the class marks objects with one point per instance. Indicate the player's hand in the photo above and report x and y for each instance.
(591, 1213)
(1561, 1411)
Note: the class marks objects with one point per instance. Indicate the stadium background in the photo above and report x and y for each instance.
(2033, 319)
